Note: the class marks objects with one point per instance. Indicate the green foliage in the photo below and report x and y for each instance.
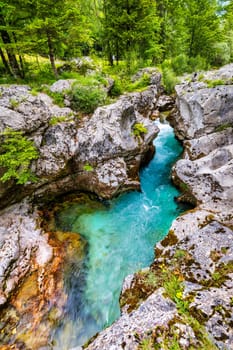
(17, 152)
(57, 97)
(170, 79)
(184, 187)
(213, 83)
(197, 63)
(146, 344)
(57, 119)
(139, 129)
(180, 64)
(216, 276)
(130, 30)
(86, 98)
(117, 88)
(223, 127)
(221, 54)
(14, 103)
(139, 84)
(179, 254)
(149, 278)
(88, 167)
(192, 34)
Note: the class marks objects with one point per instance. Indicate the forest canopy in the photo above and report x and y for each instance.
(185, 34)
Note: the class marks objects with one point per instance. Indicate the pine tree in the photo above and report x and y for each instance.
(131, 27)
(10, 16)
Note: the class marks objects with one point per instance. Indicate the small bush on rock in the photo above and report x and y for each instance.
(88, 167)
(170, 80)
(86, 98)
(16, 154)
(139, 129)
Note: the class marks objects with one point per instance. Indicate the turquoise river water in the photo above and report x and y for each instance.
(121, 236)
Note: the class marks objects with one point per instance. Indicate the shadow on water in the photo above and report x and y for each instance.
(121, 238)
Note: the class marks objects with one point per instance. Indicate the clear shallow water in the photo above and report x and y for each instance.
(121, 239)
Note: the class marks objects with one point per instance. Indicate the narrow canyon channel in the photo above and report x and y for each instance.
(121, 235)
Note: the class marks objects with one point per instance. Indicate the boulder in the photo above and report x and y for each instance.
(62, 85)
(20, 239)
(125, 333)
(205, 104)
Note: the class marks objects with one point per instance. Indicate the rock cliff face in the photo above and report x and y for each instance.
(190, 283)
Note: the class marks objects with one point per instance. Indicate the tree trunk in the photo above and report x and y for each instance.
(20, 57)
(5, 63)
(51, 54)
(117, 52)
(10, 53)
(191, 53)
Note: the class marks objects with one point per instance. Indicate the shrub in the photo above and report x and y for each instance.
(180, 64)
(139, 129)
(170, 80)
(86, 98)
(213, 83)
(17, 152)
(116, 89)
(88, 167)
(14, 103)
(139, 84)
(221, 54)
(57, 119)
(197, 63)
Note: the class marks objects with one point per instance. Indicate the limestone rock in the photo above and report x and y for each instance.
(126, 332)
(165, 103)
(105, 142)
(62, 85)
(202, 146)
(20, 238)
(210, 177)
(203, 109)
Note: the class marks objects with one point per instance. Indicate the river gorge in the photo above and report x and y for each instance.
(63, 262)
